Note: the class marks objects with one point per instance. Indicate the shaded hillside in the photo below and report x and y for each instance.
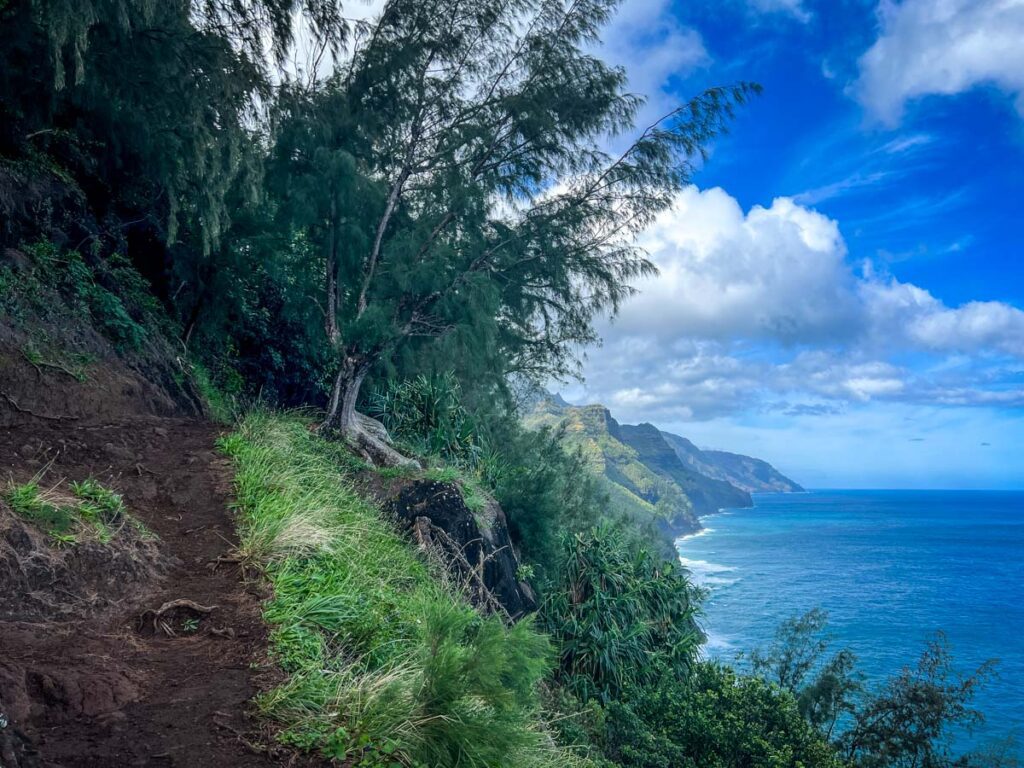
(745, 472)
(633, 488)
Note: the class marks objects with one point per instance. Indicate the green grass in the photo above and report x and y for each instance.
(90, 510)
(41, 508)
(386, 666)
(221, 406)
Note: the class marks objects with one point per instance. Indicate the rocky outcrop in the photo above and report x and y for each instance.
(474, 546)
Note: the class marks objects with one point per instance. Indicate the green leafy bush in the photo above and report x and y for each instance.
(715, 718)
(545, 491)
(427, 413)
(909, 720)
(68, 272)
(620, 617)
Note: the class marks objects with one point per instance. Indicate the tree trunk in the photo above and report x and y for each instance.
(364, 434)
(331, 313)
(342, 408)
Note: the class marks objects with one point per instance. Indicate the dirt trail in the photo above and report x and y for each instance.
(94, 690)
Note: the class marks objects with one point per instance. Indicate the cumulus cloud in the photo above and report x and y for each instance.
(941, 47)
(762, 306)
(922, 320)
(773, 273)
(781, 274)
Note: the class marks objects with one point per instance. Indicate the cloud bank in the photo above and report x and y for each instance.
(941, 47)
(762, 309)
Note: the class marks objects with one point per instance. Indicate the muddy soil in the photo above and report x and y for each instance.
(100, 682)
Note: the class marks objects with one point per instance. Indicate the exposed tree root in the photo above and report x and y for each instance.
(370, 439)
(30, 412)
(159, 619)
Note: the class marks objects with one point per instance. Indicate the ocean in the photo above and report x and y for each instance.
(891, 568)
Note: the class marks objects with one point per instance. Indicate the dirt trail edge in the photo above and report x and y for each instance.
(101, 686)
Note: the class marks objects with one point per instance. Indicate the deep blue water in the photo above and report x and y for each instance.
(890, 567)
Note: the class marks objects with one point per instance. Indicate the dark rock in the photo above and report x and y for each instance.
(476, 539)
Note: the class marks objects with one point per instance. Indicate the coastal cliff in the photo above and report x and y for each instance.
(655, 475)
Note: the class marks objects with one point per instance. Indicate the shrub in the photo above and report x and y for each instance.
(427, 413)
(68, 272)
(544, 491)
(620, 616)
(714, 719)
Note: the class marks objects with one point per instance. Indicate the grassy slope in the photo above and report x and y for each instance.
(385, 665)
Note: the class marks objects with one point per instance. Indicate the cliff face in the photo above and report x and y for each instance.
(635, 489)
(657, 476)
(646, 479)
(744, 472)
(707, 494)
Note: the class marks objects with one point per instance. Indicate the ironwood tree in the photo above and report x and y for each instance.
(455, 172)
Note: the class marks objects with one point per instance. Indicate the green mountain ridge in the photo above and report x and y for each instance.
(744, 472)
(650, 474)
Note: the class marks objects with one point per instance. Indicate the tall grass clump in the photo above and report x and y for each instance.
(386, 666)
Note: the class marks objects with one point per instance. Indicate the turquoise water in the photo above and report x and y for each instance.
(890, 567)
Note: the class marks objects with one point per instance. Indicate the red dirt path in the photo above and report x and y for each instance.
(92, 690)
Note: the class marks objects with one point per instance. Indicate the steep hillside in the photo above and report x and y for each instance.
(655, 474)
(634, 488)
(707, 494)
(645, 476)
(745, 472)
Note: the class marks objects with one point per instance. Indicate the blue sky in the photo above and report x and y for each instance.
(841, 290)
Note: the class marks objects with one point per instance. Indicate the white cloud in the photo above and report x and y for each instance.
(924, 321)
(941, 47)
(649, 42)
(780, 274)
(776, 273)
(763, 306)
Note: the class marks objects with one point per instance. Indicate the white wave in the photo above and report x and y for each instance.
(698, 534)
(705, 573)
(715, 646)
(719, 581)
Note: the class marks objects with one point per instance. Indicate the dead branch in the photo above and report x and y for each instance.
(433, 538)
